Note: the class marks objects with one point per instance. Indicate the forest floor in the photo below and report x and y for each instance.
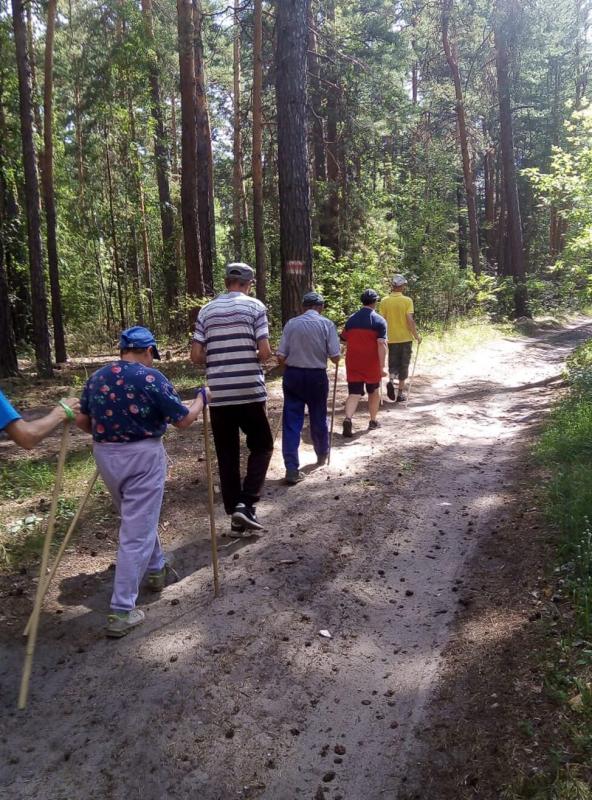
(421, 549)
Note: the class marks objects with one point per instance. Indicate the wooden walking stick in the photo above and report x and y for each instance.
(413, 372)
(213, 542)
(32, 638)
(66, 540)
(332, 413)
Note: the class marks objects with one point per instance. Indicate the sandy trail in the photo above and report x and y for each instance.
(241, 697)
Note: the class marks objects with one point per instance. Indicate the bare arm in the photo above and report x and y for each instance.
(83, 422)
(413, 327)
(382, 351)
(195, 410)
(29, 434)
(198, 354)
(264, 350)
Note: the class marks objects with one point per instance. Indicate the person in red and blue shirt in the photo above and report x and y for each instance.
(365, 336)
(127, 405)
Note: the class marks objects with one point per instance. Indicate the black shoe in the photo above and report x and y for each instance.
(401, 398)
(390, 391)
(373, 424)
(347, 428)
(238, 531)
(245, 516)
(322, 459)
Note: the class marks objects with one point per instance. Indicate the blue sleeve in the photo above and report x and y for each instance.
(84, 400)
(380, 326)
(8, 414)
(167, 399)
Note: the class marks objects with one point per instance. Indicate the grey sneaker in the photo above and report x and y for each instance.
(390, 391)
(347, 428)
(294, 476)
(119, 623)
(156, 581)
(401, 397)
(373, 424)
(322, 459)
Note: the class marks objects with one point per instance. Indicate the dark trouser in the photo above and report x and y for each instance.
(304, 387)
(399, 359)
(227, 422)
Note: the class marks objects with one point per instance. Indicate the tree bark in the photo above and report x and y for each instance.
(293, 182)
(193, 262)
(329, 224)
(161, 158)
(316, 104)
(205, 165)
(8, 356)
(48, 190)
(38, 296)
(514, 221)
(257, 161)
(117, 271)
(469, 182)
(239, 207)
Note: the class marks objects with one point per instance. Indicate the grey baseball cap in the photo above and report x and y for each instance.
(311, 299)
(399, 280)
(239, 270)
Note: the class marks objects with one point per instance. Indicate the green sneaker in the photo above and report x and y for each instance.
(157, 580)
(119, 623)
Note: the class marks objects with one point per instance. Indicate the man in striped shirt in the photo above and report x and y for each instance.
(232, 338)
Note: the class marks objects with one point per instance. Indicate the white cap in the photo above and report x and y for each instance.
(399, 280)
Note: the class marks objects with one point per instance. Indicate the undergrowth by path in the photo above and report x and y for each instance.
(565, 448)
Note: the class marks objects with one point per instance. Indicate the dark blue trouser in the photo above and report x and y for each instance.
(304, 387)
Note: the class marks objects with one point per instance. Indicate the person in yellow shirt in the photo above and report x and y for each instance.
(397, 309)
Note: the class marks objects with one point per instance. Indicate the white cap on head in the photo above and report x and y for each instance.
(399, 280)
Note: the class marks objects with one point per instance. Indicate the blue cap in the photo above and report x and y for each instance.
(138, 338)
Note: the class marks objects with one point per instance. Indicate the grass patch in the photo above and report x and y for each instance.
(25, 496)
(462, 336)
(565, 448)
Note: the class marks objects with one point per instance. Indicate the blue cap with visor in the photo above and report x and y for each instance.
(138, 338)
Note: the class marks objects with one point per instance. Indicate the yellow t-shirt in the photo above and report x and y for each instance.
(394, 308)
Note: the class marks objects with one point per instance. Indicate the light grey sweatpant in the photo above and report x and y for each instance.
(134, 473)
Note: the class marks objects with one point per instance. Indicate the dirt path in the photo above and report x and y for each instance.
(241, 697)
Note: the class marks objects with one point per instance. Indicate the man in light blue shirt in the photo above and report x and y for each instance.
(307, 342)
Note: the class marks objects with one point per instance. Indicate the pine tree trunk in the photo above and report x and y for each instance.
(257, 161)
(514, 221)
(205, 165)
(167, 220)
(294, 199)
(239, 210)
(318, 136)
(48, 190)
(38, 296)
(193, 262)
(463, 141)
(329, 225)
(489, 181)
(8, 357)
(147, 263)
(117, 271)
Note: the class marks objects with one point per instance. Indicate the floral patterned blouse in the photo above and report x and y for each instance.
(128, 402)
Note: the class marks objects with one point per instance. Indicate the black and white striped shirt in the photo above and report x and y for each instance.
(229, 327)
